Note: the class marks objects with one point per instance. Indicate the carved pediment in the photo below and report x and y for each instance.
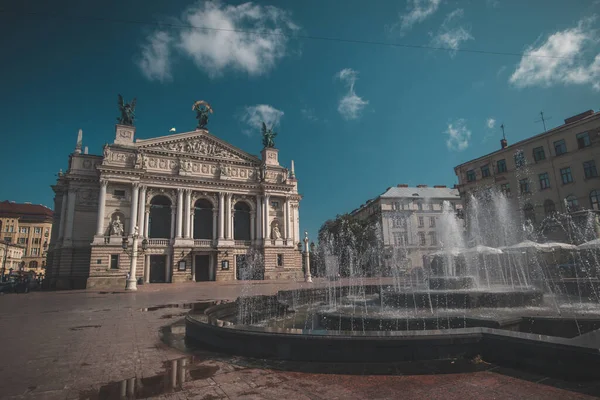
(196, 145)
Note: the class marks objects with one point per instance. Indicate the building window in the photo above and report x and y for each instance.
(23, 230)
(538, 154)
(421, 222)
(572, 203)
(38, 230)
(396, 223)
(524, 185)
(544, 181)
(22, 240)
(583, 140)
(565, 174)
(471, 177)
(589, 169)
(529, 213)
(35, 251)
(485, 171)
(501, 166)
(560, 147)
(432, 239)
(595, 199)
(119, 193)
(35, 241)
(114, 261)
(432, 222)
(519, 159)
(280, 260)
(396, 205)
(422, 241)
(275, 204)
(11, 228)
(505, 188)
(420, 206)
(549, 207)
(7, 239)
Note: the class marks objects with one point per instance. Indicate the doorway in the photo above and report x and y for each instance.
(202, 266)
(158, 267)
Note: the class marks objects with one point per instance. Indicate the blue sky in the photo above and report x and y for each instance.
(356, 118)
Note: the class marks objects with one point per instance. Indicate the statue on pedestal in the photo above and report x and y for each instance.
(268, 136)
(275, 234)
(127, 111)
(202, 109)
(116, 228)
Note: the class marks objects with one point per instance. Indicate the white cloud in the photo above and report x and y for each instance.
(254, 116)
(450, 35)
(155, 60)
(248, 37)
(490, 123)
(459, 135)
(559, 60)
(350, 105)
(309, 114)
(418, 11)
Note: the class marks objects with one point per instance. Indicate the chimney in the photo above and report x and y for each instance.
(402, 185)
(439, 186)
(578, 117)
(503, 143)
(421, 186)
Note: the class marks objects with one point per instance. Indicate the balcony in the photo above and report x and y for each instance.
(245, 243)
(203, 242)
(158, 242)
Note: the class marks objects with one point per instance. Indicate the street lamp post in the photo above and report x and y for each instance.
(132, 280)
(307, 276)
(4, 261)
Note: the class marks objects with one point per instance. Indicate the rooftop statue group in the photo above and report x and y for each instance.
(202, 109)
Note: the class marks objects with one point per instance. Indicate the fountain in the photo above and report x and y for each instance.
(493, 294)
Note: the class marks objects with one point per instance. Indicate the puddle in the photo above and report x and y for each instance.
(176, 373)
(195, 306)
(79, 328)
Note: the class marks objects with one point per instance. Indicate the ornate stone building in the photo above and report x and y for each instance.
(208, 211)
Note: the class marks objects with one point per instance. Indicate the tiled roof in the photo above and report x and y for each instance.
(27, 211)
(420, 192)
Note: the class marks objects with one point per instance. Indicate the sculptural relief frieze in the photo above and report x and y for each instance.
(200, 146)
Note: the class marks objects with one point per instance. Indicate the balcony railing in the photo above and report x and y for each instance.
(243, 242)
(203, 242)
(158, 242)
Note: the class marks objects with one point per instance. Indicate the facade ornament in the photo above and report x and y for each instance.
(268, 136)
(202, 109)
(107, 152)
(127, 111)
(275, 234)
(185, 167)
(139, 161)
(201, 146)
(223, 173)
(116, 228)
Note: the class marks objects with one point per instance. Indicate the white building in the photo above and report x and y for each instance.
(11, 256)
(200, 202)
(408, 218)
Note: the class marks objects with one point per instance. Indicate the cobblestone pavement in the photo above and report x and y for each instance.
(94, 345)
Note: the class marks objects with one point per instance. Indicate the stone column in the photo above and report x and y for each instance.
(287, 219)
(266, 217)
(221, 215)
(134, 206)
(179, 213)
(296, 216)
(147, 269)
(101, 208)
(168, 268)
(71, 197)
(215, 223)
(173, 218)
(63, 215)
(188, 200)
(191, 224)
(252, 222)
(142, 210)
(147, 222)
(228, 216)
(258, 217)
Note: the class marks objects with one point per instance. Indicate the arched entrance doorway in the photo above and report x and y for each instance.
(241, 221)
(203, 219)
(160, 218)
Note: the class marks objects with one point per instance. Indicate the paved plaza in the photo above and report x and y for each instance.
(98, 344)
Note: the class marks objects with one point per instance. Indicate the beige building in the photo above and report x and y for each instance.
(204, 207)
(28, 226)
(555, 171)
(11, 257)
(408, 217)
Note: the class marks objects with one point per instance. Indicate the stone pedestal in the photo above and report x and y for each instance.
(270, 156)
(124, 134)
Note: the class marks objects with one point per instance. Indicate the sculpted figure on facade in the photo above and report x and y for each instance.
(106, 152)
(117, 227)
(275, 234)
(139, 161)
(127, 111)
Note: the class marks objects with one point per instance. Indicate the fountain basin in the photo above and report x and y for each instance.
(451, 282)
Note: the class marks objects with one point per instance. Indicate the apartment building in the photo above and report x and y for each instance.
(552, 173)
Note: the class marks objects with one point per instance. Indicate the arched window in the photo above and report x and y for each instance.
(33, 264)
(595, 199)
(529, 213)
(549, 207)
(241, 221)
(160, 218)
(203, 219)
(572, 203)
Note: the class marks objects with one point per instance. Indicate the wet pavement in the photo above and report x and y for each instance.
(112, 344)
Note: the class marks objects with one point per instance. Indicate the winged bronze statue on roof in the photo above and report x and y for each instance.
(268, 136)
(202, 109)
(127, 111)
